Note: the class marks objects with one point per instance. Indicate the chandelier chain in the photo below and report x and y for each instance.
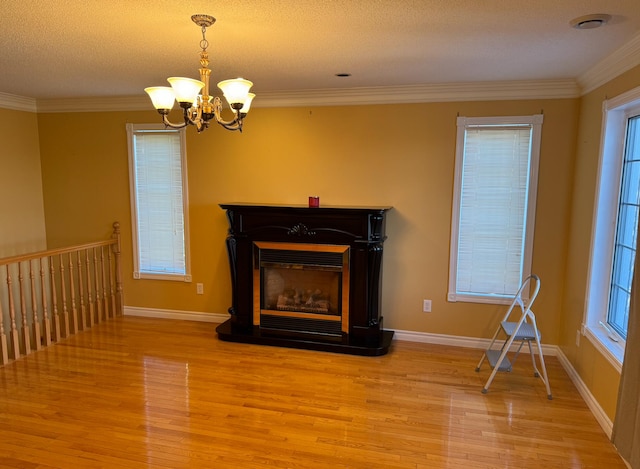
(204, 43)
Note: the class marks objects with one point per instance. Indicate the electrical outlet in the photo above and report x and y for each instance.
(199, 288)
(426, 306)
(578, 338)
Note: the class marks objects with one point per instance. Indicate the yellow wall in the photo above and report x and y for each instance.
(399, 155)
(22, 224)
(596, 372)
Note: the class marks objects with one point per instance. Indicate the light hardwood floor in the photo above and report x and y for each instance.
(139, 392)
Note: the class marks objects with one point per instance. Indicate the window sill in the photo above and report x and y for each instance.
(150, 276)
(612, 351)
(486, 299)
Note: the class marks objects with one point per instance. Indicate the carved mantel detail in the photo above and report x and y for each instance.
(300, 229)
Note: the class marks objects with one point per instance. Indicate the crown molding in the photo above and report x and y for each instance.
(429, 93)
(101, 104)
(482, 91)
(17, 103)
(615, 64)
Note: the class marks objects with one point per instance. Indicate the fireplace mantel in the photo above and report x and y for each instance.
(358, 232)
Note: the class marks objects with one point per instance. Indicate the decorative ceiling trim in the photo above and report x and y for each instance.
(615, 64)
(619, 62)
(103, 104)
(17, 103)
(486, 91)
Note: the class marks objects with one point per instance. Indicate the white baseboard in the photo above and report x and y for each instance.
(175, 314)
(597, 411)
(458, 341)
(409, 336)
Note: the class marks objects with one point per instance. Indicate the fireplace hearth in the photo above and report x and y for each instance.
(306, 277)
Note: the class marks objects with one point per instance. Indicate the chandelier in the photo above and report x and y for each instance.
(198, 107)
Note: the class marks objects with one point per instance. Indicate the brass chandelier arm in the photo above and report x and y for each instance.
(235, 124)
(195, 116)
(167, 122)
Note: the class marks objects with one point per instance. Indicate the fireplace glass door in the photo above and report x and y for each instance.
(301, 287)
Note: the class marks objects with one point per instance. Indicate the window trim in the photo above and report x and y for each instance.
(615, 112)
(535, 121)
(137, 274)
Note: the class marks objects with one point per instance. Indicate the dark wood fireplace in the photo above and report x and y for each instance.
(306, 277)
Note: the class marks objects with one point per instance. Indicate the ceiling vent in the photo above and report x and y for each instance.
(590, 21)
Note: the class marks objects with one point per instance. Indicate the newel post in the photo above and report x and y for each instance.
(116, 252)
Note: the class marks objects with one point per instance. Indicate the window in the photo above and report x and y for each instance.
(494, 207)
(159, 206)
(614, 234)
(624, 250)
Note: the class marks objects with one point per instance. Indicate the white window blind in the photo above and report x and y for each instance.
(158, 190)
(492, 223)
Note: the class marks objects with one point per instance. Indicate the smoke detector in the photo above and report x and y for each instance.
(590, 21)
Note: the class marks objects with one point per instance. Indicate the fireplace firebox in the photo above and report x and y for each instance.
(306, 277)
(301, 288)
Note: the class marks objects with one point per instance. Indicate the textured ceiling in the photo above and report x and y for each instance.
(89, 48)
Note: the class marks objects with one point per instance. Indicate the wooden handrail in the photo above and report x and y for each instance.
(57, 251)
(76, 290)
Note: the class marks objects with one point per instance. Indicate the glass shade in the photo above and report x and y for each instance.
(247, 103)
(186, 89)
(162, 97)
(236, 90)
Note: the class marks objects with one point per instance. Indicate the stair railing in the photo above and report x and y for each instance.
(47, 296)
